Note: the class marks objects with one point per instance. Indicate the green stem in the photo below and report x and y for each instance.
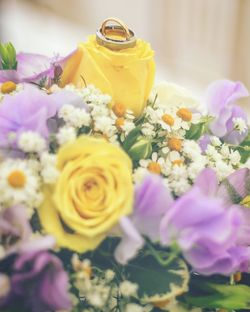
(164, 262)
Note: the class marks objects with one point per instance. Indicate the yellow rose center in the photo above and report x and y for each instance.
(246, 201)
(119, 122)
(119, 110)
(92, 190)
(168, 119)
(8, 87)
(175, 144)
(17, 179)
(184, 114)
(154, 167)
(178, 162)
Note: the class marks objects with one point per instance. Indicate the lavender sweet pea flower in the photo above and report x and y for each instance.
(220, 101)
(15, 229)
(152, 199)
(29, 110)
(38, 283)
(235, 189)
(206, 230)
(33, 68)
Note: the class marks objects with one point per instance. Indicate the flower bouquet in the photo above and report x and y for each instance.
(118, 194)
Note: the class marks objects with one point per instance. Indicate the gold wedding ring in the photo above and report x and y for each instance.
(116, 36)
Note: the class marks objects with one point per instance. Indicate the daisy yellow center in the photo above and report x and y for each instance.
(178, 162)
(184, 114)
(8, 87)
(168, 119)
(154, 167)
(175, 144)
(17, 179)
(119, 122)
(119, 110)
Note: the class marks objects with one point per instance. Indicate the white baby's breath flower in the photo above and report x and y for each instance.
(31, 142)
(148, 130)
(215, 141)
(109, 275)
(66, 111)
(139, 174)
(133, 307)
(179, 186)
(95, 299)
(225, 151)
(128, 126)
(191, 149)
(239, 124)
(234, 157)
(223, 170)
(74, 116)
(66, 134)
(49, 172)
(128, 288)
(105, 125)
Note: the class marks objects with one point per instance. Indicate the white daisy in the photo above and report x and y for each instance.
(20, 183)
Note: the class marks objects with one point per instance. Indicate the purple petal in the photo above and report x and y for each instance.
(130, 243)
(207, 181)
(239, 182)
(234, 136)
(221, 93)
(204, 141)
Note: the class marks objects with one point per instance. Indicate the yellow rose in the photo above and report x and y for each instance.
(127, 75)
(93, 191)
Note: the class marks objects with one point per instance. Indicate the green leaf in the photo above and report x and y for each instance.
(8, 56)
(141, 149)
(221, 296)
(195, 131)
(131, 138)
(156, 282)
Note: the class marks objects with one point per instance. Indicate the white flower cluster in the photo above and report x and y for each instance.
(100, 291)
(222, 158)
(98, 114)
(31, 142)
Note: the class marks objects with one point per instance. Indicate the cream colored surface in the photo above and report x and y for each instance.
(196, 41)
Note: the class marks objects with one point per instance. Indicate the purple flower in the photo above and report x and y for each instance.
(204, 141)
(30, 110)
(38, 283)
(206, 229)
(220, 100)
(152, 199)
(236, 190)
(32, 68)
(15, 229)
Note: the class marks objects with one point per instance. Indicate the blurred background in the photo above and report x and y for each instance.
(196, 41)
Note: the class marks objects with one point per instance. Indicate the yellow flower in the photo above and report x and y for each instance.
(93, 191)
(127, 75)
